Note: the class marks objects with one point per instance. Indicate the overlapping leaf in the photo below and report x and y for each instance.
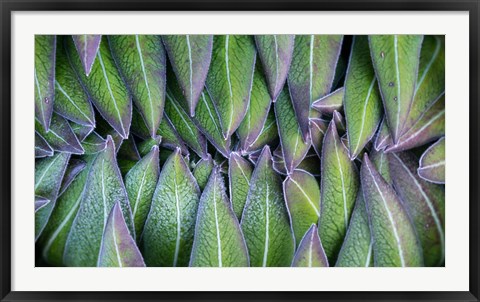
(44, 74)
(432, 163)
(310, 252)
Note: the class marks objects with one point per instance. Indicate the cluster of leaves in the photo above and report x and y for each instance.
(235, 150)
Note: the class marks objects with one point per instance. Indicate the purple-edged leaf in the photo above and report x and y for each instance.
(168, 233)
(140, 183)
(317, 131)
(275, 52)
(383, 139)
(330, 102)
(239, 175)
(60, 135)
(268, 135)
(87, 47)
(293, 146)
(229, 80)
(425, 202)
(103, 189)
(218, 240)
(254, 120)
(71, 99)
(311, 73)
(431, 78)
(75, 166)
(184, 126)
(395, 242)
(118, 248)
(339, 187)
(339, 122)
(203, 169)
(363, 104)
(432, 163)
(265, 220)
(54, 236)
(40, 202)
(428, 128)
(81, 131)
(190, 56)
(396, 59)
(44, 74)
(48, 179)
(208, 122)
(42, 148)
(310, 251)
(141, 60)
(105, 87)
(302, 195)
(357, 248)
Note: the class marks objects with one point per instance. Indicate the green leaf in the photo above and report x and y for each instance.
(168, 233)
(71, 100)
(140, 183)
(396, 59)
(105, 87)
(331, 102)
(141, 60)
(395, 242)
(128, 150)
(265, 220)
(431, 78)
(94, 143)
(118, 248)
(48, 179)
(380, 160)
(45, 48)
(254, 120)
(87, 47)
(302, 194)
(239, 175)
(218, 239)
(311, 73)
(42, 148)
(170, 137)
(268, 135)
(54, 236)
(432, 163)
(310, 252)
(363, 105)
(317, 131)
(275, 52)
(428, 128)
(103, 189)
(190, 56)
(184, 126)
(229, 80)
(293, 147)
(339, 187)
(60, 135)
(357, 247)
(202, 171)
(146, 146)
(425, 202)
(208, 122)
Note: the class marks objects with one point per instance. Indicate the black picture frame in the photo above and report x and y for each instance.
(9, 6)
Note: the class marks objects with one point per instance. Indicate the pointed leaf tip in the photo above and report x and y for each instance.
(118, 249)
(310, 251)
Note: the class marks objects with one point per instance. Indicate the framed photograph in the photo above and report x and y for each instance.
(176, 150)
